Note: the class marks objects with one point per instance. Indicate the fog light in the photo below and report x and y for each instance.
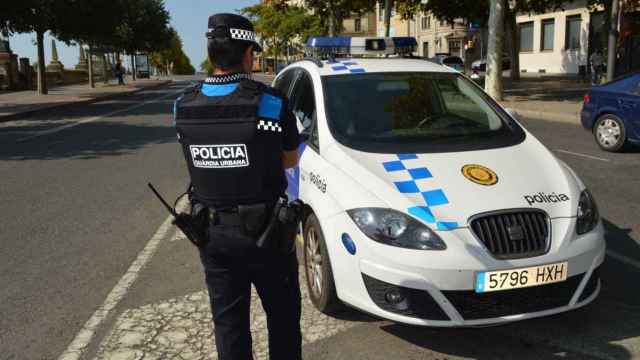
(394, 297)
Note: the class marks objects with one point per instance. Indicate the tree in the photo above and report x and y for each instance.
(37, 16)
(144, 27)
(333, 12)
(493, 82)
(281, 25)
(172, 59)
(97, 32)
(206, 66)
(478, 10)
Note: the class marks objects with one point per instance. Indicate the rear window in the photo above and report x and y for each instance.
(415, 112)
(452, 60)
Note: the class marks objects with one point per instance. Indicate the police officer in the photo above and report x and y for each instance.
(238, 137)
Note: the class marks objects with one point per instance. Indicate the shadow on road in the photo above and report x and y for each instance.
(91, 141)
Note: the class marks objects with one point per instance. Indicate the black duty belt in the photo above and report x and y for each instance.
(224, 217)
(237, 215)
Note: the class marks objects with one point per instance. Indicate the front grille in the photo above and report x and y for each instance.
(513, 234)
(472, 305)
(417, 303)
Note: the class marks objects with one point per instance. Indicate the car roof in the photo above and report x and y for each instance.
(346, 66)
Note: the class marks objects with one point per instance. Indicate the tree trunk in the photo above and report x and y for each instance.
(332, 20)
(92, 82)
(613, 38)
(275, 60)
(133, 67)
(513, 42)
(387, 18)
(493, 81)
(42, 77)
(105, 76)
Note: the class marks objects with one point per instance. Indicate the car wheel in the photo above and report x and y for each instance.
(610, 133)
(322, 290)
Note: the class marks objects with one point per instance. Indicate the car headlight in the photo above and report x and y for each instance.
(588, 216)
(394, 228)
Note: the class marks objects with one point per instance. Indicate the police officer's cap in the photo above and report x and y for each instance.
(235, 27)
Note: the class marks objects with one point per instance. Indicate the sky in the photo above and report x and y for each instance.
(188, 17)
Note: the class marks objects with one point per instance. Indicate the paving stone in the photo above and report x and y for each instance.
(181, 328)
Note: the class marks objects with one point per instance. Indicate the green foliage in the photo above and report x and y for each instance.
(172, 59)
(206, 66)
(144, 26)
(280, 25)
(338, 10)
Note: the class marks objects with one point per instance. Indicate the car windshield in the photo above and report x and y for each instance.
(415, 112)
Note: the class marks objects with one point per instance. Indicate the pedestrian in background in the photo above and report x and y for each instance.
(119, 70)
(238, 136)
(597, 63)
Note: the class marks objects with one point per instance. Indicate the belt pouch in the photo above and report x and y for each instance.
(253, 217)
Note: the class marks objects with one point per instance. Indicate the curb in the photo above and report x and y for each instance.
(16, 116)
(567, 118)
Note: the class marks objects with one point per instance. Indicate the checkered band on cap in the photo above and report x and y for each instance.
(241, 34)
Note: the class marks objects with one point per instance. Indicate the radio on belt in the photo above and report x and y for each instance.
(321, 47)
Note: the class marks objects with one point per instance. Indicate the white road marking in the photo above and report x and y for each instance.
(91, 119)
(85, 335)
(583, 155)
(624, 259)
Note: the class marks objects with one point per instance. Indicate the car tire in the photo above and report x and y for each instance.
(318, 272)
(610, 133)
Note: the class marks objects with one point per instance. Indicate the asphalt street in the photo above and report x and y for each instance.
(90, 267)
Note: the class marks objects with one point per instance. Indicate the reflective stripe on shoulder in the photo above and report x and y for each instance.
(218, 90)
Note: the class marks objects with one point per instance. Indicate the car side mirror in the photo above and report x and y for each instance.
(512, 113)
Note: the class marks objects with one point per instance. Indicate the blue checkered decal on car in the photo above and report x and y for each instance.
(349, 66)
(431, 197)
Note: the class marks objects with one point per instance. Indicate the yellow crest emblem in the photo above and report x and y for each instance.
(479, 174)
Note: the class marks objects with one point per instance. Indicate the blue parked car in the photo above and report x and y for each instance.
(612, 112)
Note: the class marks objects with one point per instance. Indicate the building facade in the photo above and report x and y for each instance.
(556, 42)
(433, 36)
(360, 25)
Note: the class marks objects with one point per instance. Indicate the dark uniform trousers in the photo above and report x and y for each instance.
(229, 275)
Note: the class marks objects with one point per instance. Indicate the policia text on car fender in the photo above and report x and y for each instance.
(237, 136)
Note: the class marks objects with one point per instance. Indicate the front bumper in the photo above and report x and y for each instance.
(439, 285)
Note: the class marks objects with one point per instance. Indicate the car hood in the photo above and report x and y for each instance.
(433, 188)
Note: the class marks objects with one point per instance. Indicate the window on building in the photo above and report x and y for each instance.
(425, 22)
(548, 33)
(381, 11)
(425, 49)
(526, 36)
(572, 34)
(357, 25)
(454, 47)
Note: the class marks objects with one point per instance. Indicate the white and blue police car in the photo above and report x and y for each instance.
(426, 202)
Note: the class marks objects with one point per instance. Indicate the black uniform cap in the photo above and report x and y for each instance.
(235, 27)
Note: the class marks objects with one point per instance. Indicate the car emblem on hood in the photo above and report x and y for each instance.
(479, 174)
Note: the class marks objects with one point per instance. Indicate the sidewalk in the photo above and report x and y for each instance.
(546, 98)
(21, 103)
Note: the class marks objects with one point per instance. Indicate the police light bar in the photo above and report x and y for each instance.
(345, 45)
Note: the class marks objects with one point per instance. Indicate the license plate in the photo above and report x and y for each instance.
(487, 281)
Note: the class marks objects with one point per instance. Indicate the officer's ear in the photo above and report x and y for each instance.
(247, 59)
